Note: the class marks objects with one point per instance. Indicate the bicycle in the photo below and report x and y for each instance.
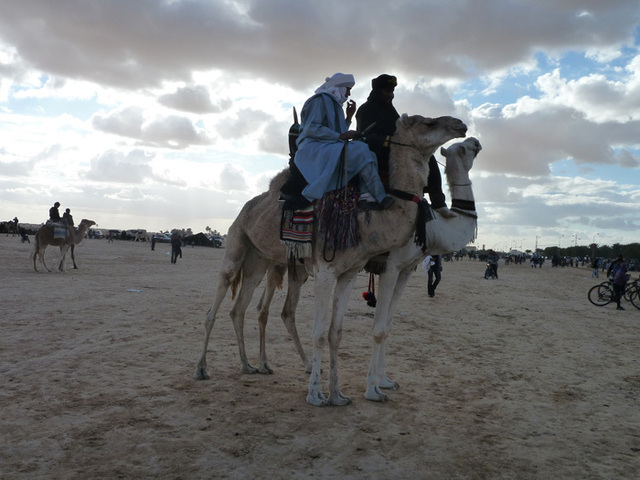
(632, 293)
(603, 294)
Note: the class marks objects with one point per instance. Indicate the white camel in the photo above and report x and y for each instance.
(444, 235)
(416, 139)
(141, 236)
(45, 237)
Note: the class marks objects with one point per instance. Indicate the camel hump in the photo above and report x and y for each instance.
(279, 180)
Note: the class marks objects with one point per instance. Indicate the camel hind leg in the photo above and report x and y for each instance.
(230, 271)
(275, 275)
(38, 253)
(253, 270)
(34, 256)
(297, 276)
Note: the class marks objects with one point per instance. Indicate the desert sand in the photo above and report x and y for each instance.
(516, 378)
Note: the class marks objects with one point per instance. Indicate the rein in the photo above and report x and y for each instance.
(415, 148)
(391, 142)
(424, 215)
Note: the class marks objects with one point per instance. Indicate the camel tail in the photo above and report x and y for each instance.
(264, 292)
(234, 284)
(35, 252)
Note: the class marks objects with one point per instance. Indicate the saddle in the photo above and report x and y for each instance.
(60, 229)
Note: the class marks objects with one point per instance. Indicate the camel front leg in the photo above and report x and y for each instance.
(380, 329)
(323, 288)
(63, 254)
(403, 279)
(341, 299)
(73, 257)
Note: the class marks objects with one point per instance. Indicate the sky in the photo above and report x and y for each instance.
(173, 114)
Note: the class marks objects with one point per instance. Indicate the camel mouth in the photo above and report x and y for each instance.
(476, 146)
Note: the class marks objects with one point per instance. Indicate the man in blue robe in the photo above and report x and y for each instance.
(324, 133)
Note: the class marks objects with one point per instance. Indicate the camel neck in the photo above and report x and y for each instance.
(462, 200)
(461, 191)
(409, 180)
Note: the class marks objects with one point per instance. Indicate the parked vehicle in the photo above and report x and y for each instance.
(217, 241)
(163, 237)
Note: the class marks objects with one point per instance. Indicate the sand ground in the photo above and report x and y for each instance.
(516, 378)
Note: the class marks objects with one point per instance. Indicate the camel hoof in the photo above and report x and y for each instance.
(317, 399)
(339, 400)
(265, 370)
(201, 373)
(375, 395)
(249, 369)
(389, 384)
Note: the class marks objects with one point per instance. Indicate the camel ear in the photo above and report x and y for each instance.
(404, 120)
(443, 151)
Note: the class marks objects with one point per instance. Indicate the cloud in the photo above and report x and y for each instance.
(117, 167)
(247, 122)
(168, 132)
(194, 99)
(232, 178)
(627, 159)
(599, 98)
(526, 142)
(140, 44)
(18, 168)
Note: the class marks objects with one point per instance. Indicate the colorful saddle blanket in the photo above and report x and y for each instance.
(335, 217)
(296, 231)
(59, 232)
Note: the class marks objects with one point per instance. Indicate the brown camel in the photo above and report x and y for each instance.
(45, 237)
(257, 227)
(443, 235)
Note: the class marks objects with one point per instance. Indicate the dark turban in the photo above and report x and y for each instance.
(384, 81)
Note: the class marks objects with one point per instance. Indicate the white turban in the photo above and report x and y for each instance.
(337, 85)
(339, 80)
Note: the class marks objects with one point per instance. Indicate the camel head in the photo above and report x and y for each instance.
(428, 133)
(460, 157)
(86, 224)
(414, 142)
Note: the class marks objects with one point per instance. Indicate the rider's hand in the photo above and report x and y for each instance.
(351, 109)
(350, 135)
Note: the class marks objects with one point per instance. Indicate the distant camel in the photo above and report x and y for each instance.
(45, 237)
(257, 227)
(141, 236)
